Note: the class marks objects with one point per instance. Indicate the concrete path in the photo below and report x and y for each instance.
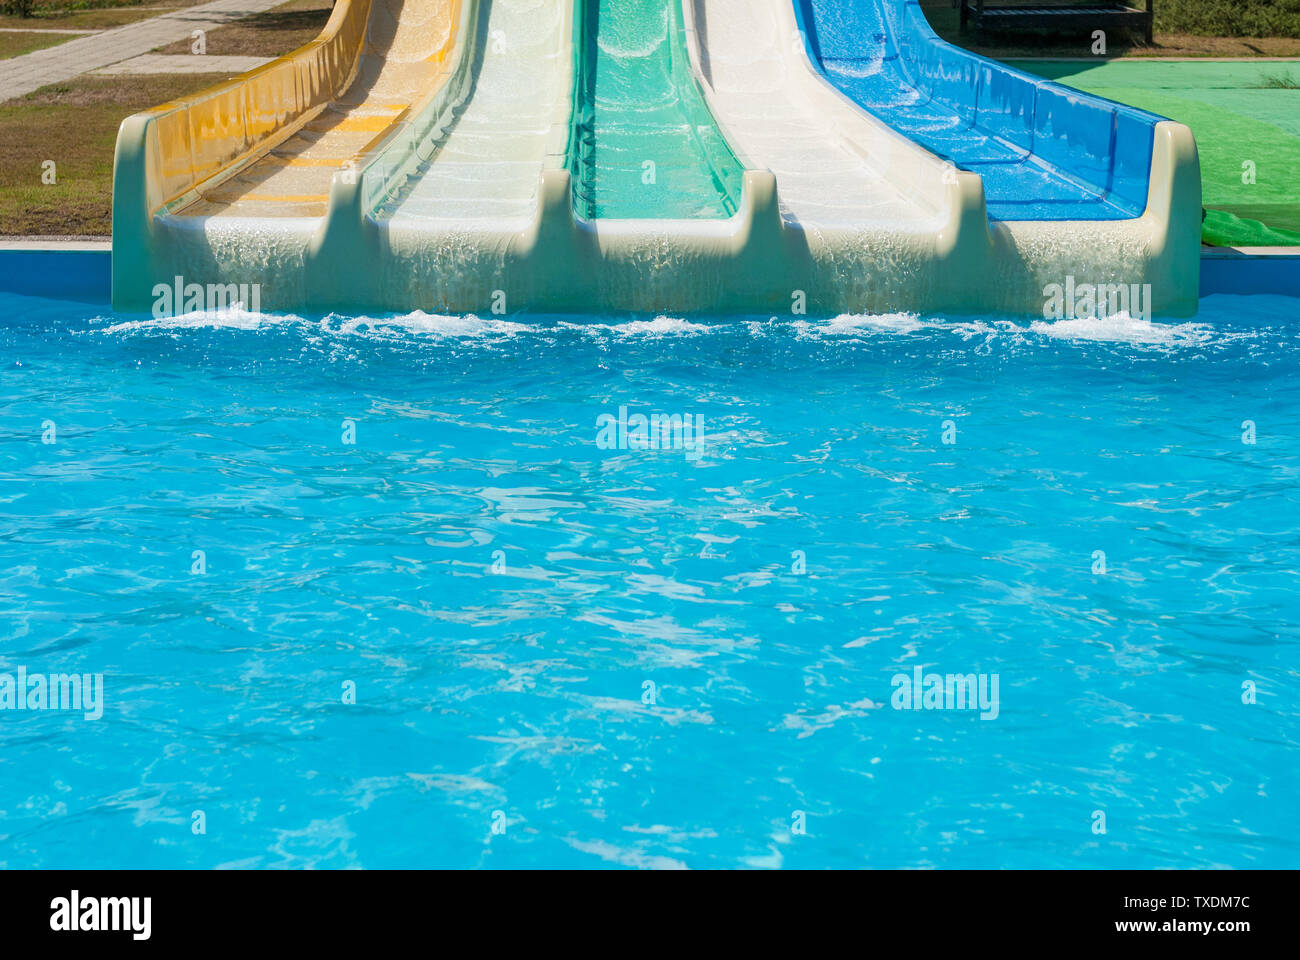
(182, 63)
(44, 30)
(22, 75)
(55, 243)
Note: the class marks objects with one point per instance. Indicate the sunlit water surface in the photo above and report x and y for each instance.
(622, 657)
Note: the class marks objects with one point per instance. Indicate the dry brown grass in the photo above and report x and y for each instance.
(75, 125)
(93, 19)
(16, 44)
(269, 34)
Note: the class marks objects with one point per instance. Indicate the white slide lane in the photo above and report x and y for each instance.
(763, 92)
(489, 165)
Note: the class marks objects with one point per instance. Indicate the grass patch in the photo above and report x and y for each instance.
(16, 44)
(75, 125)
(1230, 18)
(1278, 81)
(268, 34)
(90, 19)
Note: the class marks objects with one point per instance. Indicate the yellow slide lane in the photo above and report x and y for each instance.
(407, 43)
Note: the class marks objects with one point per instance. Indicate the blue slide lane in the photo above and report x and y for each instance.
(1044, 151)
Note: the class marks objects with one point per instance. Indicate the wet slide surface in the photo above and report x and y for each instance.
(857, 43)
(647, 146)
(1239, 112)
(406, 41)
(490, 163)
(749, 59)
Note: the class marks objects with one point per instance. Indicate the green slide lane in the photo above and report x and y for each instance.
(645, 145)
(1247, 126)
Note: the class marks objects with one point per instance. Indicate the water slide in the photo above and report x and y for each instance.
(234, 184)
(646, 147)
(635, 197)
(406, 45)
(837, 170)
(461, 232)
(1044, 152)
(645, 155)
(488, 166)
(619, 190)
(1058, 184)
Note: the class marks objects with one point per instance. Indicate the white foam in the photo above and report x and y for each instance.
(854, 323)
(419, 322)
(1118, 328)
(235, 317)
(1122, 328)
(660, 326)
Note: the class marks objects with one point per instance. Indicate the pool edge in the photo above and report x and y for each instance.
(80, 269)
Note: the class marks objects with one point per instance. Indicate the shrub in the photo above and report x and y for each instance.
(19, 8)
(1229, 18)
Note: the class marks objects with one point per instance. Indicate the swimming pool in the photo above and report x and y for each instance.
(650, 658)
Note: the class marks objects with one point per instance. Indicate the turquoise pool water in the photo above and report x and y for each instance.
(650, 658)
(646, 144)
